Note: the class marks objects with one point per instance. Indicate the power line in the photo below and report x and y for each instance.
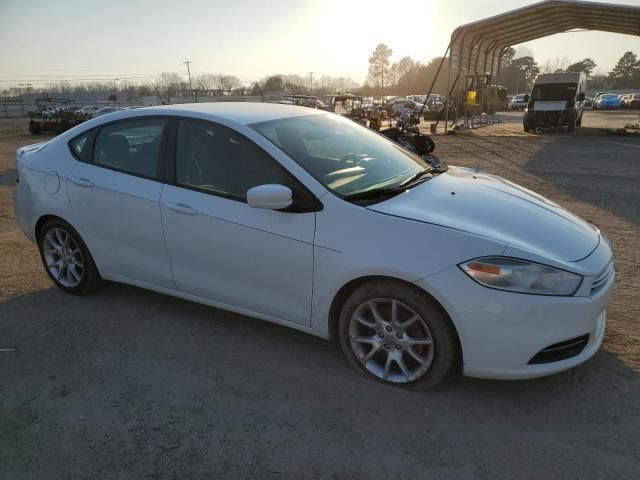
(45, 80)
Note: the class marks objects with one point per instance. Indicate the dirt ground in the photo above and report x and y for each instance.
(131, 384)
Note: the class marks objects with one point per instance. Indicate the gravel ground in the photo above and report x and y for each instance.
(127, 383)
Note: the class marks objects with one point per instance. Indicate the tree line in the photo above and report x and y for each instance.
(518, 70)
(171, 84)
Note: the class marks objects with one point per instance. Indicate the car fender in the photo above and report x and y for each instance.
(353, 242)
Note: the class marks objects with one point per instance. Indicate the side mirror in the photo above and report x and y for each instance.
(271, 196)
(526, 98)
(581, 97)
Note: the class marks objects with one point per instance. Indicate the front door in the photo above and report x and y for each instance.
(224, 250)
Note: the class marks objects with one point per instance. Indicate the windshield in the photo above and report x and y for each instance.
(345, 157)
(608, 96)
(554, 91)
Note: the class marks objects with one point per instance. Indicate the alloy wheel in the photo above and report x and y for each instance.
(391, 340)
(63, 257)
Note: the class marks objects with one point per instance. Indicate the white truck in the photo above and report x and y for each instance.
(556, 99)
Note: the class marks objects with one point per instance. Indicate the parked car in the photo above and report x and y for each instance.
(400, 106)
(86, 112)
(103, 111)
(307, 219)
(518, 102)
(634, 102)
(607, 101)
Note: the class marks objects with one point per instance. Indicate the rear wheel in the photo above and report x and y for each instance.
(397, 335)
(66, 258)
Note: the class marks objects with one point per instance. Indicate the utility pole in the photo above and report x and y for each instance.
(311, 89)
(187, 62)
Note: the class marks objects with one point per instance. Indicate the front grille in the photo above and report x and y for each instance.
(560, 351)
(602, 278)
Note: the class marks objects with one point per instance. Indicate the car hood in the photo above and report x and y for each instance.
(490, 206)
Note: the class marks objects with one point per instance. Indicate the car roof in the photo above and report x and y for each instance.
(240, 112)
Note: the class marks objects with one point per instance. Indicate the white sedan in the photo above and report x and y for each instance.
(309, 220)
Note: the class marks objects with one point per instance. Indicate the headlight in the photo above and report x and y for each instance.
(521, 276)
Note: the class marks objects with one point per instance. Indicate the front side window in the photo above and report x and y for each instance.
(342, 155)
(216, 159)
(132, 146)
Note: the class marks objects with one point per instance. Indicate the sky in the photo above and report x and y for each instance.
(85, 40)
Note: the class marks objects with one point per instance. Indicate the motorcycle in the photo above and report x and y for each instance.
(407, 134)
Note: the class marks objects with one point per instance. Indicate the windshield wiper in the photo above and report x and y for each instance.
(417, 176)
(375, 193)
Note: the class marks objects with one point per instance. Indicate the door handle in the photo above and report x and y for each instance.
(83, 182)
(181, 208)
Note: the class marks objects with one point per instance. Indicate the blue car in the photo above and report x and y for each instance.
(607, 101)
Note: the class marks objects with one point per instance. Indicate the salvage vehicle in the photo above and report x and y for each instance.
(103, 111)
(608, 101)
(518, 102)
(54, 115)
(557, 99)
(306, 219)
(493, 98)
(306, 101)
(634, 101)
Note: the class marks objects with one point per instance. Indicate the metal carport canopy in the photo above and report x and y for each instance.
(478, 46)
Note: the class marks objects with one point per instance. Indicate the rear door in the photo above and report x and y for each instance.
(115, 196)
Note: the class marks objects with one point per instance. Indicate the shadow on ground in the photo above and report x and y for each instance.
(588, 169)
(129, 383)
(8, 177)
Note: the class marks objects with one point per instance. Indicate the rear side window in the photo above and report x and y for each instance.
(82, 145)
(131, 146)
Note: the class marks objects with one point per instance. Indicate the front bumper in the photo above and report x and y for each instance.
(550, 118)
(501, 332)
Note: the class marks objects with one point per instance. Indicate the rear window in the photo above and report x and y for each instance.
(82, 146)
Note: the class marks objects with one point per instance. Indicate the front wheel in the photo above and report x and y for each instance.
(66, 258)
(397, 335)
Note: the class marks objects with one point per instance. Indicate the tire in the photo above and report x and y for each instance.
(424, 144)
(368, 344)
(34, 127)
(572, 124)
(66, 258)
